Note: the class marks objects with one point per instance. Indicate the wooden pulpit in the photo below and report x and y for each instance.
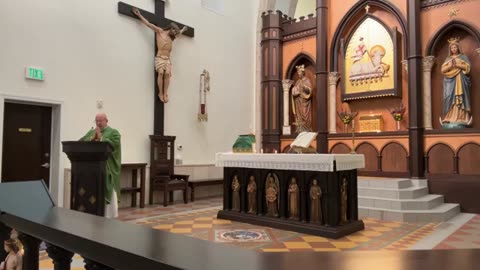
(88, 175)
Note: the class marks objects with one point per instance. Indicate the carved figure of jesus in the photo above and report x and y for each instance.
(163, 66)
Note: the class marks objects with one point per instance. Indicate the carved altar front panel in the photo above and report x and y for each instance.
(316, 198)
(371, 123)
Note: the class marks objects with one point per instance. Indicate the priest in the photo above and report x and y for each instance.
(105, 133)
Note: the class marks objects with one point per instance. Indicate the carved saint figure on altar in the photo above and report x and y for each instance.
(252, 195)
(293, 199)
(343, 201)
(302, 101)
(316, 203)
(456, 87)
(235, 194)
(163, 65)
(271, 194)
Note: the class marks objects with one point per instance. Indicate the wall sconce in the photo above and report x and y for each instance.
(204, 87)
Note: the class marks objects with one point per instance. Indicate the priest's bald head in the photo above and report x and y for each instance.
(101, 120)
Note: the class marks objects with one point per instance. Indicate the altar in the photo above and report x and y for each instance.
(309, 193)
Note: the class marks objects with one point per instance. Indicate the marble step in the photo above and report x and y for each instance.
(411, 192)
(439, 213)
(422, 203)
(378, 182)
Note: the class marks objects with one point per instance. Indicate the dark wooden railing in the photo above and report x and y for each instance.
(112, 244)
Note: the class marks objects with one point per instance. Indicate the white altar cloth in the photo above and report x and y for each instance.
(299, 162)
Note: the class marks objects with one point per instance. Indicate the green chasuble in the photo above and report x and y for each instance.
(111, 136)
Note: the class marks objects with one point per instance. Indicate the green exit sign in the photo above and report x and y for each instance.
(34, 73)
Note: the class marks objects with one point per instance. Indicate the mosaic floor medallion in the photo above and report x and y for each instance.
(241, 236)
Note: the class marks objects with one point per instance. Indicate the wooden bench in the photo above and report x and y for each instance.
(193, 183)
(134, 188)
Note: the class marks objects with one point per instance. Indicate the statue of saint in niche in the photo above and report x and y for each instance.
(316, 203)
(456, 88)
(293, 199)
(252, 195)
(271, 194)
(343, 201)
(235, 194)
(302, 101)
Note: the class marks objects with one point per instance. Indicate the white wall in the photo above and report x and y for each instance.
(90, 52)
(305, 7)
(286, 6)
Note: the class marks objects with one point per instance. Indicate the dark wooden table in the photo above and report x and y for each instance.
(126, 246)
(134, 188)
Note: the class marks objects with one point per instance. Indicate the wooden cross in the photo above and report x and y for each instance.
(157, 18)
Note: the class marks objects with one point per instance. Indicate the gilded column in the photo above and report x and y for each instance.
(332, 83)
(428, 62)
(286, 84)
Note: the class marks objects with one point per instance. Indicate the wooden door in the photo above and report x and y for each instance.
(26, 142)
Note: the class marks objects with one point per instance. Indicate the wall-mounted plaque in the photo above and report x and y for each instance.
(371, 123)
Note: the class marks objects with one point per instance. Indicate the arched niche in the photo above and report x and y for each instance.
(309, 63)
(371, 156)
(300, 59)
(394, 158)
(392, 17)
(369, 60)
(452, 26)
(355, 15)
(438, 47)
(441, 159)
(469, 158)
(340, 148)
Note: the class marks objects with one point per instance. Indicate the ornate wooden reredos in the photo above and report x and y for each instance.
(277, 31)
(417, 146)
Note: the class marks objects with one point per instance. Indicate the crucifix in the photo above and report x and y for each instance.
(157, 19)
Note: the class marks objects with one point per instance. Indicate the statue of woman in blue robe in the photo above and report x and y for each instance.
(456, 87)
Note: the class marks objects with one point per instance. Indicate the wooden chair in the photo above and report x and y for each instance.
(162, 177)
